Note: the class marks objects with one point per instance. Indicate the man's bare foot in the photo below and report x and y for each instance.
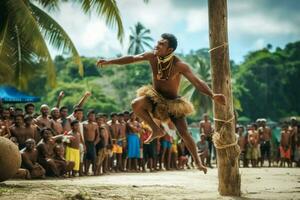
(155, 134)
(202, 168)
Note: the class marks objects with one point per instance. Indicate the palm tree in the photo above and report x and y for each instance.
(202, 69)
(138, 39)
(25, 28)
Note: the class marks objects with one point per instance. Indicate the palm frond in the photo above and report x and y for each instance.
(56, 35)
(49, 4)
(29, 31)
(107, 9)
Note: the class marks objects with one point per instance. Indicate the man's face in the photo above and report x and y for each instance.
(114, 118)
(91, 117)
(132, 116)
(162, 48)
(205, 117)
(75, 127)
(64, 113)
(5, 114)
(126, 117)
(44, 111)
(202, 138)
(30, 144)
(28, 121)
(79, 115)
(120, 118)
(19, 120)
(30, 110)
(47, 134)
(100, 120)
(55, 114)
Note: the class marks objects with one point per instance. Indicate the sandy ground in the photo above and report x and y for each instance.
(259, 183)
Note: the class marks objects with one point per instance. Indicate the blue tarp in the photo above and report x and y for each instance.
(10, 94)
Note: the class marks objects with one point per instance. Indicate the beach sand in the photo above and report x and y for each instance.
(257, 183)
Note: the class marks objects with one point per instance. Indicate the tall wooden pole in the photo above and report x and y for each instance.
(224, 137)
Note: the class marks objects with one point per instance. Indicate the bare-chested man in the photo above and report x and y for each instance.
(72, 148)
(31, 129)
(161, 100)
(242, 144)
(65, 121)
(101, 147)
(46, 154)
(207, 129)
(253, 141)
(133, 129)
(117, 142)
(43, 120)
(122, 124)
(294, 137)
(91, 138)
(29, 109)
(29, 160)
(5, 124)
(55, 122)
(265, 135)
(285, 146)
(18, 131)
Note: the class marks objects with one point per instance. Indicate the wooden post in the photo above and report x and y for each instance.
(224, 138)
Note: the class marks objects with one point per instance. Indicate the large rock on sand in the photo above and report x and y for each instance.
(10, 159)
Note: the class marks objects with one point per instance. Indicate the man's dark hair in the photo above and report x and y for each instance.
(63, 108)
(28, 117)
(99, 115)
(44, 130)
(78, 110)
(74, 122)
(172, 40)
(126, 112)
(120, 114)
(91, 112)
(27, 105)
(113, 114)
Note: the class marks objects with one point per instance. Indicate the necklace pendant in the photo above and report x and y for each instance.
(159, 76)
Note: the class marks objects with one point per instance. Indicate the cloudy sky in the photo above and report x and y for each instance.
(252, 24)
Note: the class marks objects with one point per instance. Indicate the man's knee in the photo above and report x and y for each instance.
(139, 103)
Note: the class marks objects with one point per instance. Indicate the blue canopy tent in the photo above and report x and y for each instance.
(10, 94)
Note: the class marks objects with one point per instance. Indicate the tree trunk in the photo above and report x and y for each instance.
(224, 138)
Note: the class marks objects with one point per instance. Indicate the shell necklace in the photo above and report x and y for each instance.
(167, 68)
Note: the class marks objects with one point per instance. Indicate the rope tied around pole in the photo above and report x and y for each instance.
(217, 47)
(217, 136)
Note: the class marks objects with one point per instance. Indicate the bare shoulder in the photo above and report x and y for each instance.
(145, 56)
(181, 65)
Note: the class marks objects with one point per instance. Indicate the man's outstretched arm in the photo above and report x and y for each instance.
(201, 85)
(126, 59)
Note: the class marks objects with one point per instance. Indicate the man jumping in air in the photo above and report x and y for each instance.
(161, 100)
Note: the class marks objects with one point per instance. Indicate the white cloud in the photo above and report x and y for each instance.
(259, 44)
(197, 20)
(257, 23)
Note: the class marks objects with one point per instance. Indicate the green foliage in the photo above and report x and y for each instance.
(24, 30)
(268, 83)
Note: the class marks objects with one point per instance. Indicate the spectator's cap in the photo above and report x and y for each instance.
(258, 120)
(30, 140)
(202, 135)
(44, 106)
(54, 109)
(293, 118)
(263, 120)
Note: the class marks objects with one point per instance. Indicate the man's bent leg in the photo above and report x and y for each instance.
(141, 107)
(182, 128)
